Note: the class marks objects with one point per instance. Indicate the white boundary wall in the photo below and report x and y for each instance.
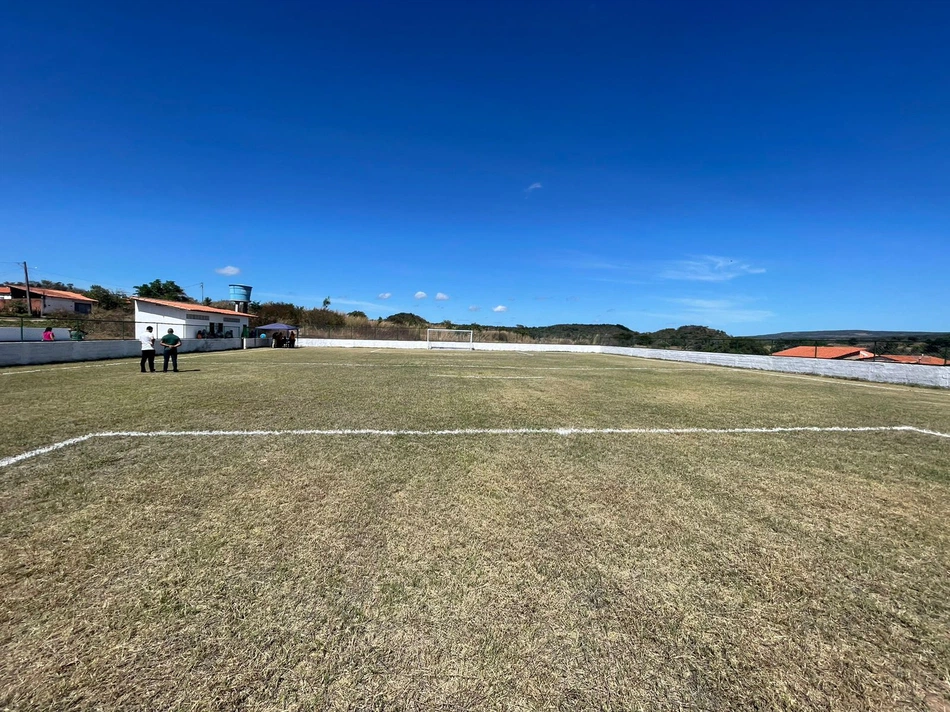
(878, 372)
(31, 353)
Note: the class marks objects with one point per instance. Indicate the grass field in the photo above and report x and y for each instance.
(459, 530)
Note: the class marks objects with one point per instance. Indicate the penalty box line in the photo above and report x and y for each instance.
(4, 462)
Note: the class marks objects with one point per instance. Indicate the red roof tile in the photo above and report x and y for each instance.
(55, 293)
(826, 352)
(188, 306)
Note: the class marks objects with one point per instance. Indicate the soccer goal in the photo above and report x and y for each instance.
(449, 339)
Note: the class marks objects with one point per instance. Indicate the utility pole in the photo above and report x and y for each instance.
(29, 302)
(202, 292)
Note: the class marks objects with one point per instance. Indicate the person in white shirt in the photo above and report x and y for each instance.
(148, 349)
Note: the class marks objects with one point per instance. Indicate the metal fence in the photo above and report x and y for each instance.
(22, 328)
(19, 328)
(931, 351)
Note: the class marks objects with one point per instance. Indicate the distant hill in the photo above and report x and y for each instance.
(859, 334)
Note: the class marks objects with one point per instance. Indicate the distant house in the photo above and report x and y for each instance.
(188, 319)
(843, 353)
(913, 358)
(46, 301)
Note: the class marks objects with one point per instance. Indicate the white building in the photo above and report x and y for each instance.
(188, 319)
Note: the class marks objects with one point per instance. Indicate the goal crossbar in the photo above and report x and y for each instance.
(450, 339)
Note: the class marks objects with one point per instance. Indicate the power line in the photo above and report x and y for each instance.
(70, 280)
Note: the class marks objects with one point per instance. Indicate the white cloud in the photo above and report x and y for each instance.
(384, 295)
(474, 308)
(499, 308)
(228, 271)
(421, 295)
(709, 268)
(533, 187)
(440, 297)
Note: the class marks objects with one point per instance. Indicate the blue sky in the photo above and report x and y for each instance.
(754, 167)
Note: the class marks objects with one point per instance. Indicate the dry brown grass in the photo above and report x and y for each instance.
(702, 572)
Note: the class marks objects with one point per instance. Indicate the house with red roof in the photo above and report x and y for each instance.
(47, 301)
(190, 321)
(843, 353)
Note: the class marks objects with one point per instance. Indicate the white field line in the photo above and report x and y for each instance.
(469, 431)
(494, 378)
(43, 450)
(482, 367)
(63, 368)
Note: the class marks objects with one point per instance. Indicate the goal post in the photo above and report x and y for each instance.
(450, 339)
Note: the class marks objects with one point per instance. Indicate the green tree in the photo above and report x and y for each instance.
(108, 300)
(279, 312)
(326, 303)
(358, 314)
(49, 284)
(406, 319)
(157, 289)
(322, 318)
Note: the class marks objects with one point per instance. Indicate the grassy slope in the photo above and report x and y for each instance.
(502, 572)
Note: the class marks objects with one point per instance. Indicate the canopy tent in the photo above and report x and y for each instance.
(276, 327)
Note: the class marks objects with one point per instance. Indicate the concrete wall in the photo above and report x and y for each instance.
(879, 372)
(30, 353)
(360, 344)
(906, 374)
(500, 346)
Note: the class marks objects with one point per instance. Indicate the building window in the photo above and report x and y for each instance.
(83, 308)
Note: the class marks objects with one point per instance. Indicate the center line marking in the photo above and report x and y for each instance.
(508, 378)
(4, 462)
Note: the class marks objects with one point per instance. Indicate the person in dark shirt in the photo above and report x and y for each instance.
(171, 342)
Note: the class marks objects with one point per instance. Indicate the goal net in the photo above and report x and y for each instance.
(449, 339)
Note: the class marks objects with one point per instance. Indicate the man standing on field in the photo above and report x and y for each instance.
(171, 342)
(148, 350)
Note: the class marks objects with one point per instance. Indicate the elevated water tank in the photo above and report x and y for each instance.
(239, 293)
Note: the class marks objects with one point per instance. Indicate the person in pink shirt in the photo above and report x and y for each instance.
(48, 335)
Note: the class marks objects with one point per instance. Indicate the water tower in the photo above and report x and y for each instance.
(240, 294)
